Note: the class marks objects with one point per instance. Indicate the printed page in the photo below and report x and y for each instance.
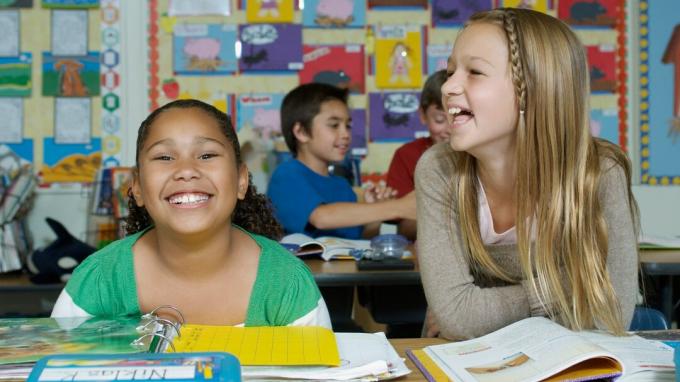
(637, 354)
(523, 351)
(339, 248)
(69, 32)
(9, 33)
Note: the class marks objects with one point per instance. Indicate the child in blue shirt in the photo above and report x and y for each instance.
(316, 124)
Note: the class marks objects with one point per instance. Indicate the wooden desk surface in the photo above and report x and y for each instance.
(345, 273)
(402, 344)
(663, 262)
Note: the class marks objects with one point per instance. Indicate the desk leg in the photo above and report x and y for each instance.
(667, 298)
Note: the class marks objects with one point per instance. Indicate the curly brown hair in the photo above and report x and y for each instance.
(253, 213)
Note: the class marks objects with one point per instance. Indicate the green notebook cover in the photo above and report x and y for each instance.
(25, 340)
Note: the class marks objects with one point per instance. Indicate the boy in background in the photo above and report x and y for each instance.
(403, 165)
(316, 124)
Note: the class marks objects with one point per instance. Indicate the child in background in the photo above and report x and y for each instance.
(197, 236)
(316, 124)
(403, 166)
(523, 212)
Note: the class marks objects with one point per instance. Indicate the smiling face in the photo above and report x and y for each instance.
(479, 96)
(188, 179)
(330, 136)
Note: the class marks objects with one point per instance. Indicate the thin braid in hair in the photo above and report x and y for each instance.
(518, 79)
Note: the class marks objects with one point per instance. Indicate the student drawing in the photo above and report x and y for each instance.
(671, 56)
(70, 82)
(337, 13)
(203, 54)
(268, 8)
(400, 63)
(199, 236)
(523, 212)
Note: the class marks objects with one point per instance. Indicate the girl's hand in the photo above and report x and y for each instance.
(381, 192)
(431, 325)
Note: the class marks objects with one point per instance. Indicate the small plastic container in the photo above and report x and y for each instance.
(388, 246)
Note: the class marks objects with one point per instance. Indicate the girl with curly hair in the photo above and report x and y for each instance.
(199, 236)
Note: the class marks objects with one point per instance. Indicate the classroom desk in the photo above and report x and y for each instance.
(402, 344)
(20, 297)
(665, 264)
(345, 273)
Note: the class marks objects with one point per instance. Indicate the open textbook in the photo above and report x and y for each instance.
(537, 349)
(327, 247)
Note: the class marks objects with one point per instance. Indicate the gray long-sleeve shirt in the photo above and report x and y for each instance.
(464, 307)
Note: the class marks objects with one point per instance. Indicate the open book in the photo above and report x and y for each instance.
(659, 242)
(537, 349)
(326, 247)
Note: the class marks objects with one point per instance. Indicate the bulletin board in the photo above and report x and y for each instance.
(431, 31)
(55, 115)
(659, 79)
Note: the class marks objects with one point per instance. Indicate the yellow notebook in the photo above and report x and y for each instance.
(259, 346)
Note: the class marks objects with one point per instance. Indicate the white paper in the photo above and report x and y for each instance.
(12, 121)
(9, 33)
(72, 118)
(69, 32)
(199, 7)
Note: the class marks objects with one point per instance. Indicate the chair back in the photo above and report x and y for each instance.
(648, 319)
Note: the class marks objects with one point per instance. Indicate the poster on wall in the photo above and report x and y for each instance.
(70, 76)
(17, 4)
(659, 49)
(438, 57)
(602, 68)
(270, 47)
(536, 5)
(337, 65)
(270, 11)
(359, 144)
(70, 4)
(261, 113)
(396, 4)
(334, 13)
(450, 13)
(15, 76)
(12, 121)
(398, 61)
(204, 49)
(394, 116)
(199, 7)
(72, 120)
(593, 13)
(69, 32)
(604, 123)
(70, 162)
(13, 156)
(9, 38)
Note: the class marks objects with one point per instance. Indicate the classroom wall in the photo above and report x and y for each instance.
(659, 205)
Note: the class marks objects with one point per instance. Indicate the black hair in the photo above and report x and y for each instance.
(432, 90)
(302, 104)
(253, 213)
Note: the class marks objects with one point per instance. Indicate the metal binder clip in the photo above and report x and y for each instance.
(153, 312)
(140, 344)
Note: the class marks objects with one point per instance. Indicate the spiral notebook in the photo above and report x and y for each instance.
(164, 330)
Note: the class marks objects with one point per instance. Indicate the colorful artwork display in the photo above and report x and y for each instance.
(261, 113)
(437, 57)
(334, 13)
(270, 11)
(16, 4)
(394, 116)
(70, 4)
(359, 145)
(398, 56)
(446, 13)
(602, 67)
(604, 123)
(337, 65)
(270, 47)
(204, 49)
(397, 4)
(70, 162)
(70, 76)
(659, 48)
(15, 76)
(536, 5)
(581, 12)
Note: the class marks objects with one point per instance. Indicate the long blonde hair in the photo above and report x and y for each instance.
(558, 175)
